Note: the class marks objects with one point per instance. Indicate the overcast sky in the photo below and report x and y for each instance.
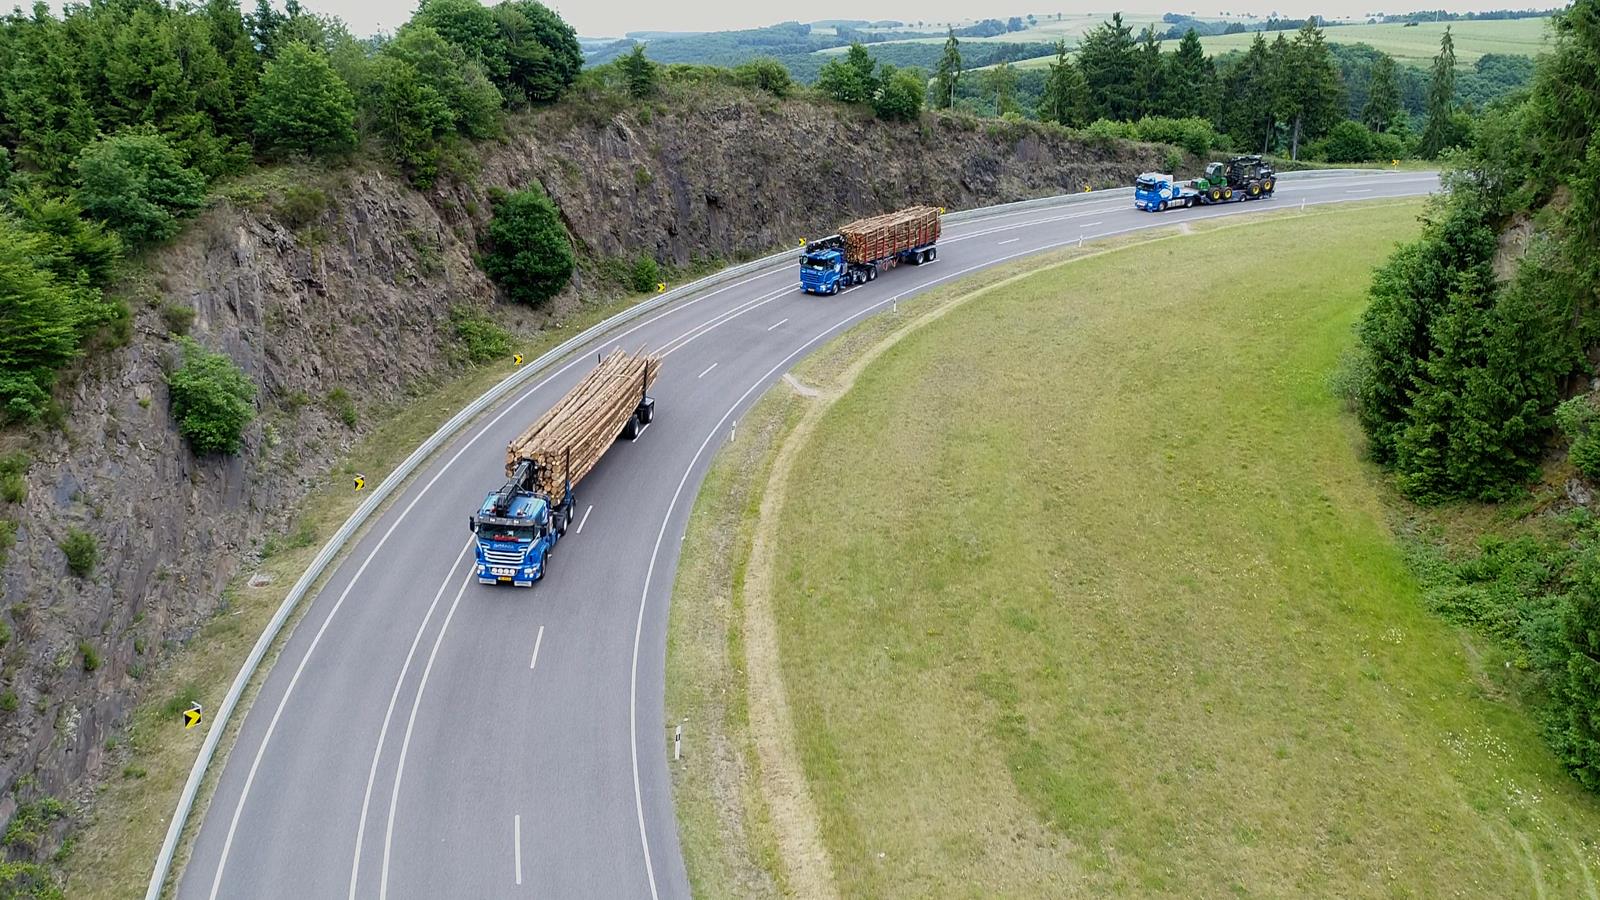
(611, 18)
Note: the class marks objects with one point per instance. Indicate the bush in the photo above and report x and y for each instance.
(31, 823)
(1346, 142)
(211, 399)
(639, 73)
(343, 407)
(177, 318)
(41, 324)
(1173, 160)
(542, 52)
(1387, 145)
(8, 701)
(1194, 135)
(645, 274)
(14, 476)
(136, 182)
(900, 98)
(8, 539)
(81, 550)
(766, 74)
(302, 105)
(529, 253)
(26, 880)
(1578, 418)
(481, 337)
(91, 656)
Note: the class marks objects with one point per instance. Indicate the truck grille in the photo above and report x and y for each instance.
(502, 557)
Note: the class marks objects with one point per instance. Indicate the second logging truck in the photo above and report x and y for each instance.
(866, 247)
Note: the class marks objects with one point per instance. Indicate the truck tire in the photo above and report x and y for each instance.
(631, 429)
(1163, 206)
(1255, 190)
(933, 253)
(872, 273)
(1227, 194)
(1268, 186)
(1216, 194)
(544, 566)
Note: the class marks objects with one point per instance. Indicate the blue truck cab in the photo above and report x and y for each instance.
(517, 527)
(822, 270)
(1155, 192)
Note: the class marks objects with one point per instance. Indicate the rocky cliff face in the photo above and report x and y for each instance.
(351, 292)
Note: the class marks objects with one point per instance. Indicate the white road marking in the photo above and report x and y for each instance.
(1007, 241)
(707, 371)
(405, 743)
(681, 340)
(584, 519)
(776, 324)
(536, 642)
(383, 733)
(516, 843)
(641, 432)
(1088, 224)
(1361, 191)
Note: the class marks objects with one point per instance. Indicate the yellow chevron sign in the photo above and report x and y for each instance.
(191, 716)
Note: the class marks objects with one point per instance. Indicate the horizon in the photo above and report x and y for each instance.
(595, 19)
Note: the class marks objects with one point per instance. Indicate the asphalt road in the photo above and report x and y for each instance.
(424, 736)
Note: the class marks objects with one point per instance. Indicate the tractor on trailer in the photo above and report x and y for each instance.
(867, 246)
(518, 525)
(1240, 178)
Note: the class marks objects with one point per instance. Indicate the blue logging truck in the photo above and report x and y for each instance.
(867, 246)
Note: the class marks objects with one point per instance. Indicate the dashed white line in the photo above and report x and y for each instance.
(1088, 224)
(707, 371)
(776, 324)
(536, 642)
(584, 519)
(1360, 191)
(1008, 241)
(516, 844)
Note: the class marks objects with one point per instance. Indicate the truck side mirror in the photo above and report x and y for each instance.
(472, 524)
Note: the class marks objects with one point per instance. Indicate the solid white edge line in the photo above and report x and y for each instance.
(584, 519)
(405, 743)
(536, 642)
(383, 733)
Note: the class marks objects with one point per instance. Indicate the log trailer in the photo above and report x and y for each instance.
(867, 246)
(518, 525)
(1240, 178)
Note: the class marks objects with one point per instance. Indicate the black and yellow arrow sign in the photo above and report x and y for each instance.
(191, 716)
(516, 359)
(661, 287)
(361, 481)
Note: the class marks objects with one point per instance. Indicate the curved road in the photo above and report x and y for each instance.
(422, 736)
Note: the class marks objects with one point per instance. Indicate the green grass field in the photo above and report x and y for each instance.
(1083, 589)
(1416, 46)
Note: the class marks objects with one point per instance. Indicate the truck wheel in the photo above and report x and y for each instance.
(1227, 194)
(1255, 189)
(1215, 195)
(631, 430)
(933, 253)
(544, 566)
(872, 273)
(1163, 206)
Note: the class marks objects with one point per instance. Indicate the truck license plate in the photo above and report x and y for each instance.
(502, 571)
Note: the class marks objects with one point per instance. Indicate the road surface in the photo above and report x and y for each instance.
(424, 736)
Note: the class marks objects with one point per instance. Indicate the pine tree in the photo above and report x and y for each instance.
(1311, 94)
(1149, 75)
(1437, 134)
(639, 73)
(1382, 109)
(948, 73)
(1251, 108)
(1190, 80)
(1065, 100)
(1108, 58)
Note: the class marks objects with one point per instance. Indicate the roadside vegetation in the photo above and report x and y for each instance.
(1037, 661)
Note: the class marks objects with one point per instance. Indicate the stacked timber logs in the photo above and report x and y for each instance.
(584, 423)
(880, 237)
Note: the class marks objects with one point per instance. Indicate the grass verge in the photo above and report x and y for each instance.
(1112, 606)
(116, 847)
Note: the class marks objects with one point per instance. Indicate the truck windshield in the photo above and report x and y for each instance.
(817, 262)
(1145, 184)
(521, 535)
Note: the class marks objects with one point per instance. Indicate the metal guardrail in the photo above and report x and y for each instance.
(446, 433)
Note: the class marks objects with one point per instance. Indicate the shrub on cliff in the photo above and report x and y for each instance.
(135, 182)
(900, 98)
(211, 399)
(530, 255)
(766, 74)
(302, 105)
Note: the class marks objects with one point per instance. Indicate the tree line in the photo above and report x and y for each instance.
(116, 116)
(1346, 104)
(1474, 367)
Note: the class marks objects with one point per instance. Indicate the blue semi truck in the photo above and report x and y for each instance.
(866, 247)
(518, 525)
(1240, 178)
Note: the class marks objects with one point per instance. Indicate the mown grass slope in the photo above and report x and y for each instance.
(1084, 589)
